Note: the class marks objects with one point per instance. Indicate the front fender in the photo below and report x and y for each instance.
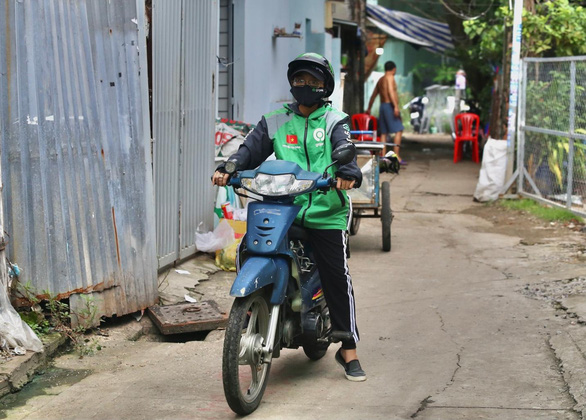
(258, 272)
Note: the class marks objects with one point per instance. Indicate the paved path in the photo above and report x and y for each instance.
(446, 332)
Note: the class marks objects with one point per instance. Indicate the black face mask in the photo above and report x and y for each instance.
(307, 95)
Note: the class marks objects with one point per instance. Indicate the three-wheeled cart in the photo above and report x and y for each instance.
(373, 198)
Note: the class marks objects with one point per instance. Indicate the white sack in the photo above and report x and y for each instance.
(492, 171)
(15, 335)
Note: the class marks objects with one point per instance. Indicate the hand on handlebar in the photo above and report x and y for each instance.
(344, 184)
(220, 178)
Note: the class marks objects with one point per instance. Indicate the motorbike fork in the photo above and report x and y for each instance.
(269, 345)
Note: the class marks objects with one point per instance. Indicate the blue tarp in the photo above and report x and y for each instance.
(431, 35)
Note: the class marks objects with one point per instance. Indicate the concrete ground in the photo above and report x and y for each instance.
(448, 328)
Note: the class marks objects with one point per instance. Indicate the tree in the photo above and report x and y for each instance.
(482, 38)
(353, 102)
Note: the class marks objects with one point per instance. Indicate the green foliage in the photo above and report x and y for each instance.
(49, 315)
(547, 106)
(556, 29)
(87, 315)
(405, 114)
(37, 321)
(487, 36)
(58, 312)
(442, 75)
(546, 213)
(27, 292)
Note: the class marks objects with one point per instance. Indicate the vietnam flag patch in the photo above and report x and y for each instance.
(291, 139)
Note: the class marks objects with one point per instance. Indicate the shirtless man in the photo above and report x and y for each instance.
(390, 115)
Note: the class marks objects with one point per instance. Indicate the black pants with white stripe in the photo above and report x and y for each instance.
(329, 249)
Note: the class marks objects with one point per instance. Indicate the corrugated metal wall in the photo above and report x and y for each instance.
(185, 42)
(226, 63)
(76, 162)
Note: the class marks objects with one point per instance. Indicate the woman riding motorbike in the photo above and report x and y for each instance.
(306, 132)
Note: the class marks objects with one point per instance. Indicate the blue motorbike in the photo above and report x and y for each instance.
(278, 301)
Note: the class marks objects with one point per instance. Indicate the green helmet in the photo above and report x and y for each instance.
(316, 65)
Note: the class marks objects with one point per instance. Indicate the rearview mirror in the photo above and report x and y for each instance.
(344, 154)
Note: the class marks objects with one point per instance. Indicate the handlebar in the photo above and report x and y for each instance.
(234, 181)
(321, 184)
(326, 183)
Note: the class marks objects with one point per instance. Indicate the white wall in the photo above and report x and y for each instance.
(260, 61)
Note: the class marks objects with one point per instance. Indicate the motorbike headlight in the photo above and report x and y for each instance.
(414, 115)
(276, 185)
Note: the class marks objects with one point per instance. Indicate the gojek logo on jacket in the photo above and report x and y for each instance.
(319, 135)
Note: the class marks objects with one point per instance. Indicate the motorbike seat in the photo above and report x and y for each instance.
(297, 232)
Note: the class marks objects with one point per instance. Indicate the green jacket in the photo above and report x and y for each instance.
(309, 143)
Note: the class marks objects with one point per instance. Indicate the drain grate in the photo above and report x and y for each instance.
(188, 317)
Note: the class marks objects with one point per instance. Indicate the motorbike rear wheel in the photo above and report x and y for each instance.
(244, 372)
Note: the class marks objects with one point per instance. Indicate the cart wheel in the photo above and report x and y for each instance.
(386, 215)
(355, 223)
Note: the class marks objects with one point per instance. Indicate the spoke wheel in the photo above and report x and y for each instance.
(243, 372)
(386, 215)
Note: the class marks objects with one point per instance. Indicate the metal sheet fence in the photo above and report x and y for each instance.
(74, 125)
(185, 42)
(551, 151)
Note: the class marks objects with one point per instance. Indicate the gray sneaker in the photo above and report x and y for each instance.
(352, 369)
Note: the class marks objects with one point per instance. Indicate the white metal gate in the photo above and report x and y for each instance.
(225, 60)
(185, 40)
(551, 155)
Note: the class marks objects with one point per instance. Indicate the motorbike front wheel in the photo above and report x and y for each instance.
(244, 372)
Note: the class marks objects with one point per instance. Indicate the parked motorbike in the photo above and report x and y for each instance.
(416, 107)
(279, 301)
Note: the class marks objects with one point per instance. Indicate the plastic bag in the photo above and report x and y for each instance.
(15, 335)
(226, 257)
(240, 214)
(225, 195)
(389, 163)
(221, 237)
(365, 193)
(228, 139)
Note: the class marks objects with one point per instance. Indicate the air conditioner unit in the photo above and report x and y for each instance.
(339, 10)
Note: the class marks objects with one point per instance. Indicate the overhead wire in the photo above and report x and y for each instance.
(422, 12)
(464, 16)
(430, 14)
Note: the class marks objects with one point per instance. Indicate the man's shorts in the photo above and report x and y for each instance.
(388, 123)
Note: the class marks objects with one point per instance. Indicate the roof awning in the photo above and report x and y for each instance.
(429, 34)
(397, 34)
